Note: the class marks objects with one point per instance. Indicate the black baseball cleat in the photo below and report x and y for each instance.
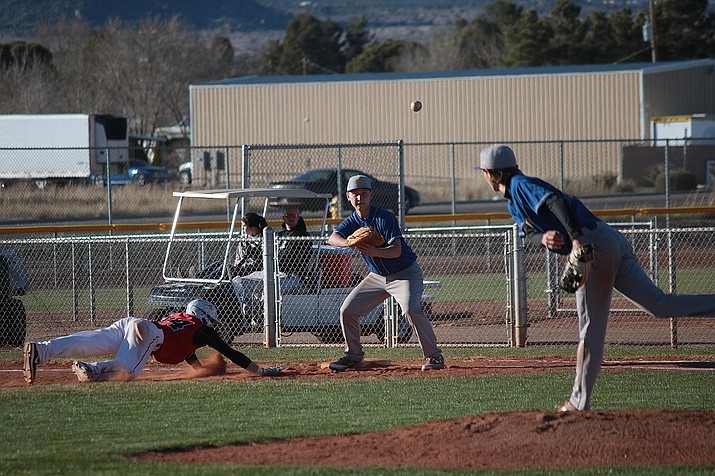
(344, 363)
(436, 362)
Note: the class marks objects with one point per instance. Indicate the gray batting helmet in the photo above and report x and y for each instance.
(204, 310)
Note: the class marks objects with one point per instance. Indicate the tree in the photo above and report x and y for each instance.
(26, 73)
(565, 45)
(309, 46)
(480, 43)
(683, 30)
(378, 58)
(357, 38)
(222, 53)
(22, 54)
(625, 31)
(525, 40)
(143, 73)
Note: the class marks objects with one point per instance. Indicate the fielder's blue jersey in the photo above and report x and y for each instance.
(525, 196)
(385, 223)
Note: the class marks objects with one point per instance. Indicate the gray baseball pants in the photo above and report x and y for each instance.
(615, 266)
(406, 287)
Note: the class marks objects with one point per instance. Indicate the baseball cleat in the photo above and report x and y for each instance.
(436, 362)
(567, 406)
(83, 371)
(344, 363)
(29, 367)
(271, 371)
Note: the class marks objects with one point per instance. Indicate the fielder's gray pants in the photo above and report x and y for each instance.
(615, 266)
(406, 287)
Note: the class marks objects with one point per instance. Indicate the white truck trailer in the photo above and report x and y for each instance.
(61, 148)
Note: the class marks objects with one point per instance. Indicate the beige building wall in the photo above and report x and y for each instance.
(684, 91)
(547, 104)
(527, 107)
(482, 107)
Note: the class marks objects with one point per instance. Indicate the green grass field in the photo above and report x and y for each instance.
(80, 429)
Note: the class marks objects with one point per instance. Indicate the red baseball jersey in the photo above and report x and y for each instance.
(179, 331)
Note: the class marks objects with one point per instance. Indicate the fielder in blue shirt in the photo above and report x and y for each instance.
(559, 222)
(394, 271)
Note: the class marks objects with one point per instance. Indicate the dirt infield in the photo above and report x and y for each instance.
(492, 441)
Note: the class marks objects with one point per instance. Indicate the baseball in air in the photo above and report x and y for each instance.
(416, 106)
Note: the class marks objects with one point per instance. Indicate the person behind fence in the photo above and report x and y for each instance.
(249, 252)
(293, 255)
(247, 268)
(562, 224)
(394, 271)
(170, 340)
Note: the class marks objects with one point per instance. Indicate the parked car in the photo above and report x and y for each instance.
(186, 172)
(325, 181)
(139, 172)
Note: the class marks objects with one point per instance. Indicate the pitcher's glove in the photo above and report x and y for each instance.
(578, 265)
(365, 235)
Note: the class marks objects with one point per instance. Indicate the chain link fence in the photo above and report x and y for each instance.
(437, 175)
(55, 286)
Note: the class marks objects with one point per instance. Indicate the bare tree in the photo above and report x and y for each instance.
(143, 73)
(26, 87)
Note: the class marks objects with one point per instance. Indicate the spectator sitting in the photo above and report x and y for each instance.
(293, 256)
(249, 254)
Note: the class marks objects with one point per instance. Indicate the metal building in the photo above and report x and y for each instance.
(520, 104)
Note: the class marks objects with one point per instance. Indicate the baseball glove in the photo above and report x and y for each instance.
(365, 235)
(578, 265)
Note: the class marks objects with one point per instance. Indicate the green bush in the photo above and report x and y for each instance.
(606, 180)
(680, 181)
(625, 187)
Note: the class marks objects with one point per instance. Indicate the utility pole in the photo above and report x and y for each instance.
(651, 8)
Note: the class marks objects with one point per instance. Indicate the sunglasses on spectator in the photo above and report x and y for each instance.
(291, 215)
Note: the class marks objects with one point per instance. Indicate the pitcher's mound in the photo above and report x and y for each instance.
(532, 439)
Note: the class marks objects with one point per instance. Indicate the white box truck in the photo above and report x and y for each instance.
(62, 148)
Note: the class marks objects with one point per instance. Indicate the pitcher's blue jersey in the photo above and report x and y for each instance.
(525, 195)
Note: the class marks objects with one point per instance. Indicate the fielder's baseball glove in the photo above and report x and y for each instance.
(578, 265)
(366, 235)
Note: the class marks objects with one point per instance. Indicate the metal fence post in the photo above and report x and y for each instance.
(109, 188)
(401, 178)
(673, 287)
(666, 177)
(519, 283)
(552, 290)
(75, 292)
(228, 168)
(341, 193)
(54, 258)
(561, 164)
(390, 323)
(92, 294)
(454, 184)
(128, 276)
(269, 289)
(245, 178)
